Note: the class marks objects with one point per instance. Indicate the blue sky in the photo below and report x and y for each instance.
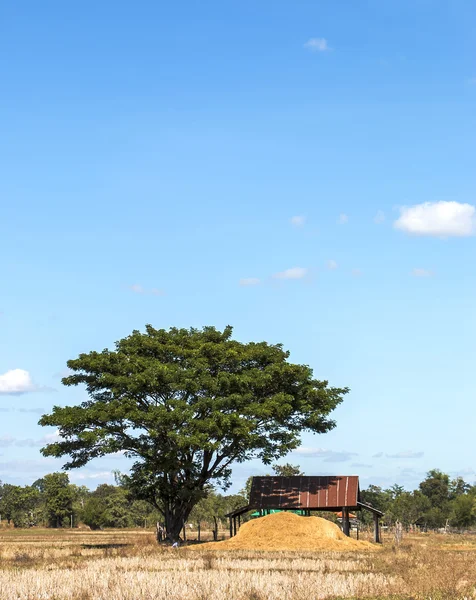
(303, 171)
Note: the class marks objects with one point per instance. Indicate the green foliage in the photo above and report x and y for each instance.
(437, 503)
(246, 491)
(187, 404)
(375, 496)
(114, 506)
(409, 508)
(458, 487)
(436, 487)
(58, 497)
(20, 505)
(463, 511)
(287, 470)
(93, 513)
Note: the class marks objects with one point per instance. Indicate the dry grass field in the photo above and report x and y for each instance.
(111, 565)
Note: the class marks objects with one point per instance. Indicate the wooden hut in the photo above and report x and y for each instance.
(340, 493)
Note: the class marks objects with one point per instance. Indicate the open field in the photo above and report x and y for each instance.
(128, 565)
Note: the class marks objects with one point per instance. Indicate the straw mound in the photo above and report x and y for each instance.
(288, 531)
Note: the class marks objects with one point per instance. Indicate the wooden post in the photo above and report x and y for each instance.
(376, 529)
(234, 525)
(198, 530)
(239, 521)
(231, 527)
(158, 531)
(184, 532)
(345, 521)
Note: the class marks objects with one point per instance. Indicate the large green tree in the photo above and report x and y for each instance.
(187, 404)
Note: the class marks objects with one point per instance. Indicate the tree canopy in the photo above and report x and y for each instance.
(187, 404)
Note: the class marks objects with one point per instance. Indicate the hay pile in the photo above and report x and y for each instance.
(288, 531)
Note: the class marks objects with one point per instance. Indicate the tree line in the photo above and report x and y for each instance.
(439, 501)
(53, 501)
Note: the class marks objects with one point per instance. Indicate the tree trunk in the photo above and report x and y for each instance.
(198, 529)
(175, 521)
(215, 529)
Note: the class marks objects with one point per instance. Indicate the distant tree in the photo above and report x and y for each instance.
(58, 498)
(395, 491)
(8, 495)
(214, 507)
(108, 506)
(187, 404)
(435, 517)
(458, 487)
(20, 505)
(287, 470)
(436, 487)
(463, 511)
(374, 496)
(93, 514)
(246, 491)
(409, 508)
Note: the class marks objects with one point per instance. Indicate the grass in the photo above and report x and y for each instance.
(114, 565)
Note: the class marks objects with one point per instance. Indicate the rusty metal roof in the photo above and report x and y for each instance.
(312, 492)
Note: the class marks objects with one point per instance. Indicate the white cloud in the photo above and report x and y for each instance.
(50, 438)
(7, 441)
(332, 265)
(422, 273)
(25, 467)
(406, 454)
(247, 281)
(38, 410)
(317, 45)
(139, 289)
(327, 455)
(379, 217)
(84, 475)
(298, 221)
(378, 455)
(440, 219)
(293, 273)
(343, 219)
(16, 381)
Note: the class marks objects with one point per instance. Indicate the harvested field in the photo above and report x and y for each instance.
(112, 565)
(288, 531)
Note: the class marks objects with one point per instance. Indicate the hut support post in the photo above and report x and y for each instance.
(234, 525)
(345, 521)
(231, 527)
(376, 529)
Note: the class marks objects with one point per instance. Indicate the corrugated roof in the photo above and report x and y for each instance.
(311, 492)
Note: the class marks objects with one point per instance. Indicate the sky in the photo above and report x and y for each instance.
(301, 170)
